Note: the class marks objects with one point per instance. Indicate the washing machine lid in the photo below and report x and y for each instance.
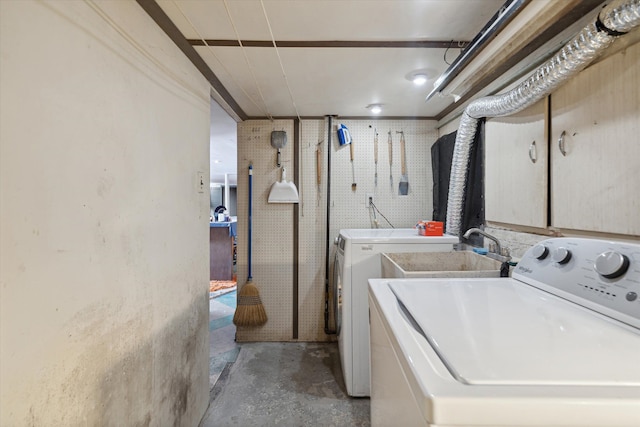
(393, 235)
(504, 332)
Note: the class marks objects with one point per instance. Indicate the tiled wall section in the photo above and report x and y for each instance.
(273, 223)
(517, 242)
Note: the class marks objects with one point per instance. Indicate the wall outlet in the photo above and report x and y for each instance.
(369, 198)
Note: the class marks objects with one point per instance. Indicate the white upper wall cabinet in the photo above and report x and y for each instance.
(516, 168)
(591, 177)
(595, 148)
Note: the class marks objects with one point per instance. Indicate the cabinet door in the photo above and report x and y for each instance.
(596, 182)
(516, 162)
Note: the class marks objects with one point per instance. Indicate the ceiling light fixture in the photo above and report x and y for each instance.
(421, 76)
(419, 79)
(375, 108)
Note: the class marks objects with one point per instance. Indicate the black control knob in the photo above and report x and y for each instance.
(540, 251)
(631, 296)
(562, 255)
(611, 264)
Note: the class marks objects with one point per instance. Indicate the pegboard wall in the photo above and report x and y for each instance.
(312, 237)
(349, 208)
(273, 223)
(272, 228)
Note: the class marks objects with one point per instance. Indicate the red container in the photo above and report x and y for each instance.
(431, 228)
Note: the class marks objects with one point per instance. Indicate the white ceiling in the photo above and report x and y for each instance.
(314, 81)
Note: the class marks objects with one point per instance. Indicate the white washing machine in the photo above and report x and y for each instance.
(558, 344)
(357, 260)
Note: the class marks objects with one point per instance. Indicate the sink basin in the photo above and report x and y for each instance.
(439, 264)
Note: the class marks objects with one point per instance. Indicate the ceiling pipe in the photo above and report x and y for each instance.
(501, 18)
(327, 329)
(614, 20)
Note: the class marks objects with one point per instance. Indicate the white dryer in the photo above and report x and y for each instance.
(358, 260)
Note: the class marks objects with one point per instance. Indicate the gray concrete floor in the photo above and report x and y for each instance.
(269, 384)
(284, 384)
(222, 333)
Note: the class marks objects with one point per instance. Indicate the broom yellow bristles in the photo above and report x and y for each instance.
(249, 310)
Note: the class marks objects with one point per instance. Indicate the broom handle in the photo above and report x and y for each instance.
(250, 220)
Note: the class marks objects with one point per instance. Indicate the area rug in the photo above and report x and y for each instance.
(216, 285)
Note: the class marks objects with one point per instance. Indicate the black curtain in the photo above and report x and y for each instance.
(441, 159)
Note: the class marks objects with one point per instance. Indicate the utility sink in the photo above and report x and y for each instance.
(439, 264)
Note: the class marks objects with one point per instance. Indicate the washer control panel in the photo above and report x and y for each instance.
(599, 274)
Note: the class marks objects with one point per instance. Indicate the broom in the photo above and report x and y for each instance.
(249, 310)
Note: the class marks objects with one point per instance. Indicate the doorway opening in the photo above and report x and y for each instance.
(223, 248)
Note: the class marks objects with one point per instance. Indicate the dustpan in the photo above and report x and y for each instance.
(283, 191)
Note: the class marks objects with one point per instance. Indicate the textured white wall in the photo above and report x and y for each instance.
(449, 127)
(104, 267)
(273, 226)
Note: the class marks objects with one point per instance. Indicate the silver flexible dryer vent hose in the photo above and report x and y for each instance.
(615, 19)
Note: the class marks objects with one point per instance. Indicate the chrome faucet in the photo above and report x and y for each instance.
(471, 231)
(504, 259)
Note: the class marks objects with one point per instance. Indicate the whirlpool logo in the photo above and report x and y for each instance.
(524, 270)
